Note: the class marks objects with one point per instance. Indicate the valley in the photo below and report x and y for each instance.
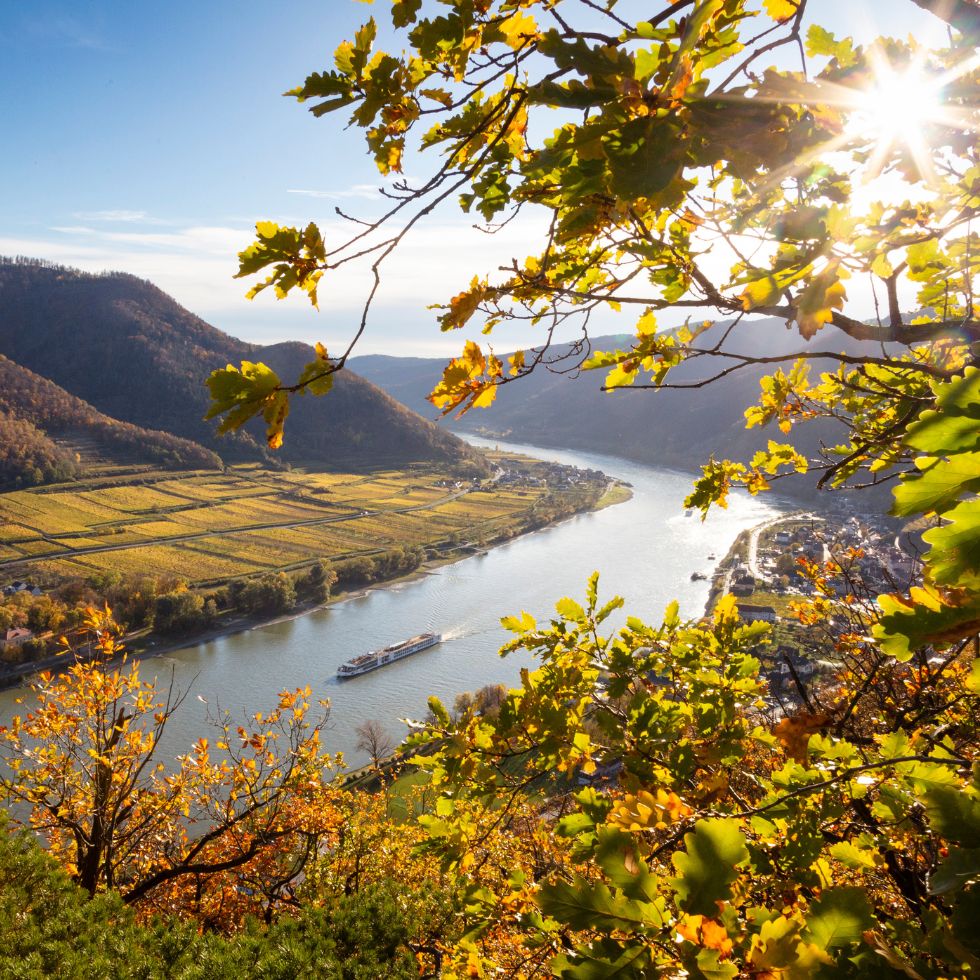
(149, 543)
(461, 595)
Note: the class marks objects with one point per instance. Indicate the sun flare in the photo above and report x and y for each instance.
(905, 107)
(898, 106)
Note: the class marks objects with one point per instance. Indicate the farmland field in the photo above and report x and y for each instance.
(205, 527)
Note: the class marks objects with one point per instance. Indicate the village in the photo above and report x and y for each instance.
(14, 637)
(524, 472)
(845, 559)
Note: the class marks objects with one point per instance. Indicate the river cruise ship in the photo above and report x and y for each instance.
(388, 655)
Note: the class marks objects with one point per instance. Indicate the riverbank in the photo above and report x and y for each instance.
(645, 551)
(741, 554)
(144, 644)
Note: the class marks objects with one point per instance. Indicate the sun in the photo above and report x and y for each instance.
(903, 108)
(899, 106)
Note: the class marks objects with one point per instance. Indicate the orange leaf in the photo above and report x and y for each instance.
(794, 733)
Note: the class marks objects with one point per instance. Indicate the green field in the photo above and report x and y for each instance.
(206, 527)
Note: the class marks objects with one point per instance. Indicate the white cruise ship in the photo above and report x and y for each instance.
(387, 655)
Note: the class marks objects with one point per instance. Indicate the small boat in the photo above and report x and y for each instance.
(712, 557)
(698, 577)
(387, 655)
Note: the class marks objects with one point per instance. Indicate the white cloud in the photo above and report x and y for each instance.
(196, 265)
(115, 215)
(368, 192)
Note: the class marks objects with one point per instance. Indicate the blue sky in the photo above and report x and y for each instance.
(150, 138)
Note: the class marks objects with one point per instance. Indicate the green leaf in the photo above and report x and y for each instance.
(926, 616)
(615, 855)
(645, 156)
(954, 424)
(852, 856)
(712, 967)
(820, 41)
(954, 814)
(404, 12)
(954, 554)
(709, 866)
(581, 905)
(605, 960)
(333, 88)
(959, 868)
(438, 711)
(317, 376)
(938, 485)
(297, 259)
(973, 678)
(242, 393)
(839, 918)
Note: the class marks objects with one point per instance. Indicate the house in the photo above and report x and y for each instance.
(17, 636)
(783, 537)
(20, 586)
(756, 614)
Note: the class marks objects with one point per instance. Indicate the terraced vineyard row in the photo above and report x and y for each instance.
(205, 527)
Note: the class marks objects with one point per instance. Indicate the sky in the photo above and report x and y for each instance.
(149, 138)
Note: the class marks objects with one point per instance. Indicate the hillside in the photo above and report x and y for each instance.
(673, 428)
(133, 353)
(46, 434)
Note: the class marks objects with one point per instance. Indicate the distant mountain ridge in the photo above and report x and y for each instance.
(133, 353)
(675, 428)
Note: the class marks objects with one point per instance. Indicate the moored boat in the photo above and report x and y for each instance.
(387, 655)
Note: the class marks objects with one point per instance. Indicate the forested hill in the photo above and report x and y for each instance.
(674, 428)
(47, 434)
(136, 355)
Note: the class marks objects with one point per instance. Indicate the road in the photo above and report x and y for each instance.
(752, 551)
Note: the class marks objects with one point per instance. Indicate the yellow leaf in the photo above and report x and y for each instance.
(761, 292)
(473, 359)
(486, 397)
(622, 375)
(517, 28)
(816, 304)
(646, 326)
(463, 305)
(646, 810)
(781, 9)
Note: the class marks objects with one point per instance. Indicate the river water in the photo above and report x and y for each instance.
(645, 550)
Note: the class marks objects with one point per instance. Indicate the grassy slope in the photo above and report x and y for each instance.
(90, 438)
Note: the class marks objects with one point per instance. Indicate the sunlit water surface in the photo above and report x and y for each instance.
(645, 550)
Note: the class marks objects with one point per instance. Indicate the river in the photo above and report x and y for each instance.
(645, 550)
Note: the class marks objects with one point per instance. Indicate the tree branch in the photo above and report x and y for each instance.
(963, 15)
